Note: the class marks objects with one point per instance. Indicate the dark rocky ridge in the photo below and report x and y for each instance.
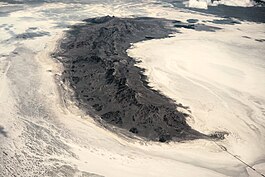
(107, 82)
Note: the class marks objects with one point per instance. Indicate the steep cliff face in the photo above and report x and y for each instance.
(106, 80)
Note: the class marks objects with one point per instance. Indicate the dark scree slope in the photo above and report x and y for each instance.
(106, 80)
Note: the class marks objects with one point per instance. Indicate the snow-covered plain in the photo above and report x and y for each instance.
(203, 4)
(218, 74)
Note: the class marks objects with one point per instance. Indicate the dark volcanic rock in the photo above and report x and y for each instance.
(106, 80)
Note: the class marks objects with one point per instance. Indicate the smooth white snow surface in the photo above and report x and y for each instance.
(203, 4)
(199, 4)
(220, 75)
